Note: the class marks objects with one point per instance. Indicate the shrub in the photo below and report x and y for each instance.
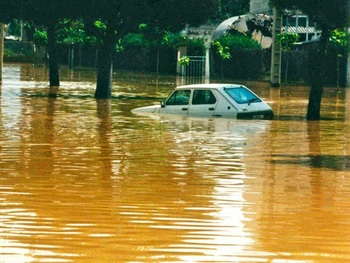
(238, 56)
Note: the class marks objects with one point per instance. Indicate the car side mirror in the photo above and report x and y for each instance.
(162, 104)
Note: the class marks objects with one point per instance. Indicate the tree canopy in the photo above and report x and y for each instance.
(109, 20)
(45, 13)
(113, 19)
(230, 8)
(40, 12)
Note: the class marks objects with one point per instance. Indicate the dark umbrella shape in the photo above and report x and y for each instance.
(257, 26)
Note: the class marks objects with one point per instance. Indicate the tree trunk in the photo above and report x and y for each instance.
(317, 68)
(105, 65)
(1, 49)
(314, 106)
(53, 56)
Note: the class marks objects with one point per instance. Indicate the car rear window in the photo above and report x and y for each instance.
(241, 95)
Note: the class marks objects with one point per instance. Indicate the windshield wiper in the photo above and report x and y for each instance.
(252, 100)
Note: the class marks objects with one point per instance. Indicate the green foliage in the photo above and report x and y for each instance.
(68, 32)
(223, 52)
(339, 40)
(100, 25)
(195, 47)
(178, 40)
(73, 31)
(184, 60)
(11, 53)
(135, 41)
(14, 28)
(239, 56)
(155, 35)
(239, 41)
(287, 40)
(143, 26)
(225, 46)
(96, 29)
(40, 38)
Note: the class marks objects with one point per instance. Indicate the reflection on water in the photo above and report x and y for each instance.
(87, 181)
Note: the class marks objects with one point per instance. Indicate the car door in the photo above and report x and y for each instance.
(203, 103)
(177, 103)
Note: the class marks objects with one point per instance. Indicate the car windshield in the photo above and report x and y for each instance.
(241, 95)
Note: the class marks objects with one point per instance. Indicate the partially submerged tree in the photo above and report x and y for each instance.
(69, 32)
(113, 19)
(46, 13)
(110, 20)
(329, 15)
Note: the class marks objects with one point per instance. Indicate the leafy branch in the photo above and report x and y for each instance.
(287, 40)
(184, 60)
(223, 52)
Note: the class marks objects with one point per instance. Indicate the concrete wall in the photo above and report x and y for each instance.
(260, 7)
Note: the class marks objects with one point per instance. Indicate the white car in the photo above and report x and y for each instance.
(212, 100)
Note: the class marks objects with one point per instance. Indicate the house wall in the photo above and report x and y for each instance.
(260, 7)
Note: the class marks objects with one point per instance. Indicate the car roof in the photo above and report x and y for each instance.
(210, 86)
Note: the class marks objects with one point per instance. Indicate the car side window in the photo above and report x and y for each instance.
(179, 97)
(203, 97)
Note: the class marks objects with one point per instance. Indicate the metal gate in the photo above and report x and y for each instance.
(194, 71)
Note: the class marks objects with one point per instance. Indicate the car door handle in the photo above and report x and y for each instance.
(184, 109)
(211, 109)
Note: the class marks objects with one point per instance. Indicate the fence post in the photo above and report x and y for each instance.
(207, 64)
(182, 51)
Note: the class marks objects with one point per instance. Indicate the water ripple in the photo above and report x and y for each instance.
(87, 181)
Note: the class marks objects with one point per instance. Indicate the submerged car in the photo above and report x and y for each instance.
(212, 100)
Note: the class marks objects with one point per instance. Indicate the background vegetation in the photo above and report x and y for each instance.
(150, 48)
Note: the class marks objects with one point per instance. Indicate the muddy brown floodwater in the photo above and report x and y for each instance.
(87, 181)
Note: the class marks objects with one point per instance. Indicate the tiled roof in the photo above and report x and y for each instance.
(300, 30)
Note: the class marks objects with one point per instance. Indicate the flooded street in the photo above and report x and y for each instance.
(88, 181)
